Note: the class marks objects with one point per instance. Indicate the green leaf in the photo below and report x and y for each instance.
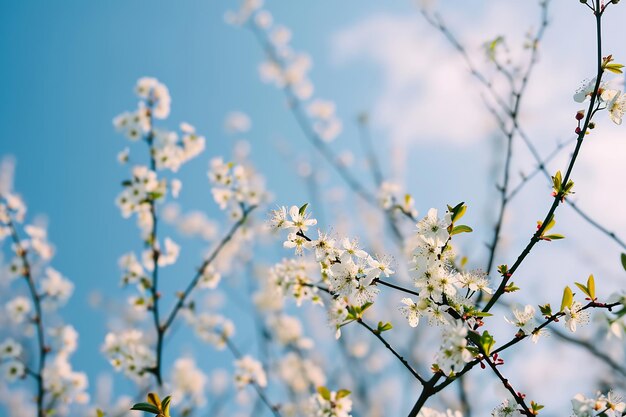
(568, 298)
(511, 287)
(583, 288)
(153, 398)
(591, 286)
(557, 181)
(303, 208)
(481, 314)
(460, 229)
(323, 391)
(535, 406)
(459, 211)
(342, 393)
(614, 68)
(474, 337)
(383, 327)
(623, 257)
(487, 342)
(165, 405)
(546, 310)
(365, 307)
(100, 413)
(148, 408)
(553, 237)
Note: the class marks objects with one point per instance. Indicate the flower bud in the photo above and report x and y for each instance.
(580, 114)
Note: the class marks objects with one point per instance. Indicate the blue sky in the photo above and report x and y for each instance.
(70, 67)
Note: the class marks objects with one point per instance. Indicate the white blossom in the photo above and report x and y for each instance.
(18, 309)
(12, 370)
(56, 288)
(249, 371)
(10, 349)
(575, 315)
(188, 382)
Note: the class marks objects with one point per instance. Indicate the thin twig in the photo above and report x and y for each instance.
(208, 261)
(259, 390)
(559, 196)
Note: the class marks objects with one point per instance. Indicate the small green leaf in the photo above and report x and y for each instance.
(342, 393)
(568, 298)
(365, 307)
(546, 310)
(383, 327)
(557, 181)
(511, 287)
(165, 405)
(153, 398)
(303, 208)
(614, 68)
(323, 391)
(623, 257)
(591, 286)
(535, 406)
(481, 314)
(583, 288)
(487, 342)
(100, 413)
(148, 408)
(474, 337)
(460, 229)
(553, 237)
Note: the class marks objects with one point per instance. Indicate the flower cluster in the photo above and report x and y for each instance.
(249, 371)
(62, 382)
(129, 352)
(608, 405)
(48, 289)
(440, 284)
(188, 382)
(288, 69)
(212, 328)
(138, 192)
(167, 150)
(10, 363)
(293, 277)
(525, 321)
(508, 408)
(325, 122)
(453, 353)
(235, 187)
(350, 271)
(389, 196)
(300, 374)
(288, 331)
(614, 101)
